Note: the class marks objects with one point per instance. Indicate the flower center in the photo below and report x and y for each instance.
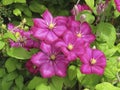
(52, 57)
(79, 35)
(70, 46)
(51, 26)
(93, 61)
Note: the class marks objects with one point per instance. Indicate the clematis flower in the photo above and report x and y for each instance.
(50, 61)
(23, 38)
(31, 67)
(79, 8)
(71, 46)
(117, 3)
(48, 28)
(93, 62)
(82, 31)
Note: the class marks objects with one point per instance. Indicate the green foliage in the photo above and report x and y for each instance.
(106, 33)
(20, 53)
(7, 2)
(35, 82)
(10, 64)
(90, 3)
(106, 26)
(106, 86)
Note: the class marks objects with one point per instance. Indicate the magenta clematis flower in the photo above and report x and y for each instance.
(49, 28)
(79, 8)
(23, 38)
(50, 61)
(81, 30)
(31, 67)
(93, 62)
(71, 46)
(117, 3)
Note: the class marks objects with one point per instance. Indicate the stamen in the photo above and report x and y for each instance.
(51, 26)
(70, 47)
(93, 61)
(52, 57)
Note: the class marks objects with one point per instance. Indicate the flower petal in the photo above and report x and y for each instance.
(101, 62)
(10, 26)
(45, 48)
(47, 70)
(85, 69)
(85, 28)
(39, 59)
(40, 33)
(88, 38)
(60, 43)
(51, 37)
(59, 30)
(69, 38)
(47, 16)
(60, 20)
(97, 54)
(97, 70)
(85, 58)
(60, 69)
(40, 23)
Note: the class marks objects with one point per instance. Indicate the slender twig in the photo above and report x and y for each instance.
(78, 2)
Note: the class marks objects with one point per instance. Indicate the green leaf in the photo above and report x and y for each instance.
(106, 33)
(19, 53)
(110, 52)
(80, 76)
(90, 81)
(72, 72)
(90, 3)
(43, 87)
(20, 1)
(2, 72)
(9, 35)
(69, 83)
(35, 82)
(17, 12)
(7, 2)
(27, 12)
(37, 7)
(118, 47)
(11, 76)
(10, 64)
(2, 44)
(6, 84)
(57, 83)
(111, 68)
(106, 86)
(19, 82)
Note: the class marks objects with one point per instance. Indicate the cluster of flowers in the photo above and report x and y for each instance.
(62, 40)
(23, 38)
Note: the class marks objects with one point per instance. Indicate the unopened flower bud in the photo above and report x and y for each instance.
(24, 20)
(94, 47)
(118, 59)
(75, 10)
(26, 28)
(100, 8)
(82, 17)
(3, 26)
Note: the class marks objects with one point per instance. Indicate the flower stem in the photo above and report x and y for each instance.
(78, 2)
